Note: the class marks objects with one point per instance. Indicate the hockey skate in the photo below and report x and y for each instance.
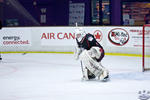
(104, 77)
(90, 77)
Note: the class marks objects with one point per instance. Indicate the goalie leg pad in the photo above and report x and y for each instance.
(93, 66)
(85, 74)
(91, 75)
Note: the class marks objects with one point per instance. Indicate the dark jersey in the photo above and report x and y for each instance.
(88, 41)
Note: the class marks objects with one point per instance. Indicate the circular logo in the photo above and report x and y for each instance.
(118, 36)
(98, 35)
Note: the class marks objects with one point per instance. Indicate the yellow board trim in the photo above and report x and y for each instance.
(123, 54)
(112, 54)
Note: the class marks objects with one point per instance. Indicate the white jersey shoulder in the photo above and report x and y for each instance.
(90, 38)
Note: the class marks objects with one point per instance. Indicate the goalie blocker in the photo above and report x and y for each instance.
(90, 53)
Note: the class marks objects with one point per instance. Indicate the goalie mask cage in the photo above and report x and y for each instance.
(146, 48)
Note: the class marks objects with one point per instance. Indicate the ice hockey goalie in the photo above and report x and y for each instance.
(90, 53)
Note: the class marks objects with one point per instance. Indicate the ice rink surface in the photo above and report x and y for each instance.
(58, 77)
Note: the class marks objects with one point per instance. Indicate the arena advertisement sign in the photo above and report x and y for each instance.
(15, 37)
(98, 35)
(57, 36)
(118, 36)
(110, 36)
(64, 36)
(124, 37)
(137, 38)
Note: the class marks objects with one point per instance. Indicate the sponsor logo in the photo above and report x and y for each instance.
(140, 32)
(144, 95)
(13, 40)
(98, 35)
(118, 36)
(64, 35)
(59, 36)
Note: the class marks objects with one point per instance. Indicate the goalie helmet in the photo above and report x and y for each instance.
(80, 33)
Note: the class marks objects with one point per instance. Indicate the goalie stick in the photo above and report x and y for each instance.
(80, 61)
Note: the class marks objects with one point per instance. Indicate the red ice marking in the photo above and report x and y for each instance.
(11, 70)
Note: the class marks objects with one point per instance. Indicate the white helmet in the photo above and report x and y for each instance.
(80, 33)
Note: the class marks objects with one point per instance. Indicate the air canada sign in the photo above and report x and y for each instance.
(65, 37)
(59, 36)
(118, 36)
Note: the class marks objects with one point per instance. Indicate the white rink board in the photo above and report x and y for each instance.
(114, 39)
